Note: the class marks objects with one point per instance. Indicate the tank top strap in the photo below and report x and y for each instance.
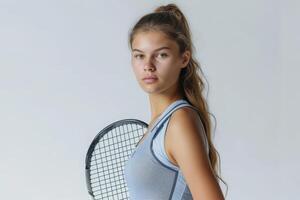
(171, 108)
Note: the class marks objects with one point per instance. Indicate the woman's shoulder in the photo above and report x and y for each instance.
(185, 125)
(186, 116)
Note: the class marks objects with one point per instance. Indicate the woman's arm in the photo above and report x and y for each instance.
(188, 149)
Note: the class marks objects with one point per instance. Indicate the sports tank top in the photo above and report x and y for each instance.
(148, 173)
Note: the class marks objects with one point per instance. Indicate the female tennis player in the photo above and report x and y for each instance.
(175, 159)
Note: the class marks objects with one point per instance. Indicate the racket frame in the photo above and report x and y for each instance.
(95, 141)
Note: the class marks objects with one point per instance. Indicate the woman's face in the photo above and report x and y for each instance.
(153, 54)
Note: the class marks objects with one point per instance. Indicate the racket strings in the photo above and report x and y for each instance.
(108, 158)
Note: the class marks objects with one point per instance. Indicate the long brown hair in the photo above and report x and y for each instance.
(170, 20)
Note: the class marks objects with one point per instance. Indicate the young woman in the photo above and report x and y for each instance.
(175, 159)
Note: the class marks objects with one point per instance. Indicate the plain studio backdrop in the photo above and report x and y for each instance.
(65, 74)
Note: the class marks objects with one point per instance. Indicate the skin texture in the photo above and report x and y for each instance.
(187, 147)
(184, 146)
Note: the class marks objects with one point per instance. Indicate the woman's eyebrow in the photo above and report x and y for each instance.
(154, 50)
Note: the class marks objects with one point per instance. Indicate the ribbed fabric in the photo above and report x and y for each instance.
(149, 174)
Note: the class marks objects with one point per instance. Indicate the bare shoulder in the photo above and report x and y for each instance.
(185, 130)
(187, 113)
(187, 148)
(182, 118)
(185, 118)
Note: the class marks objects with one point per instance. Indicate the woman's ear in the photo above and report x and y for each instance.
(186, 56)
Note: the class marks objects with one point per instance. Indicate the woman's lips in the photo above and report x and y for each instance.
(149, 80)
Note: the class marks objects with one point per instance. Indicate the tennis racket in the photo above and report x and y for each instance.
(106, 156)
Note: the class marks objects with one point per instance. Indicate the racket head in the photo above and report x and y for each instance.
(106, 156)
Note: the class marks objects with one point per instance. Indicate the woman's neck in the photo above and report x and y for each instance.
(159, 104)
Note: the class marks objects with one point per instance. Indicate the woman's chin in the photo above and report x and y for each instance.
(149, 89)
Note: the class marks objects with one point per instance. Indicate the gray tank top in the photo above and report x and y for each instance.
(148, 173)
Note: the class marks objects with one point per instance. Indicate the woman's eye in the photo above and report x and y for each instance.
(163, 55)
(138, 55)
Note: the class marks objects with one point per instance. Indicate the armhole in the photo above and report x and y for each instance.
(159, 147)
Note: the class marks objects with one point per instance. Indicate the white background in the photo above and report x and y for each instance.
(65, 74)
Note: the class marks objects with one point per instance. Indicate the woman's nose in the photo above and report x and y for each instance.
(148, 68)
(148, 65)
